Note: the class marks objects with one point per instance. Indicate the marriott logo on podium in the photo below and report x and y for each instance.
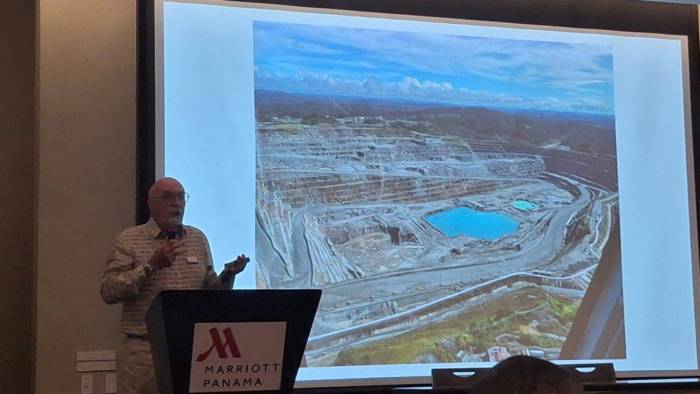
(221, 347)
(229, 357)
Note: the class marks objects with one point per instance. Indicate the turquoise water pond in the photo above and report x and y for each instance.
(475, 224)
(524, 205)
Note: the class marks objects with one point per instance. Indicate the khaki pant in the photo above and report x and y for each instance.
(137, 375)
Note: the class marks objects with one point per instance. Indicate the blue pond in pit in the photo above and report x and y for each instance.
(475, 224)
(524, 205)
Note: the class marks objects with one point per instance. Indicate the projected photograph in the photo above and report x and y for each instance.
(455, 197)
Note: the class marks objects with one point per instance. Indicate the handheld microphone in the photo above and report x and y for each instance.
(178, 228)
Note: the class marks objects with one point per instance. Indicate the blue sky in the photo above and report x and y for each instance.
(490, 72)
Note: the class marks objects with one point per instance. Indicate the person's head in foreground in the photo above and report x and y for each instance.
(527, 375)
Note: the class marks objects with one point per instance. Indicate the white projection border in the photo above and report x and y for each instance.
(655, 171)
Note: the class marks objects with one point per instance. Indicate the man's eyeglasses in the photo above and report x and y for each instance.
(172, 197)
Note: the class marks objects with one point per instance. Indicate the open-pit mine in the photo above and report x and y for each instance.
(438, 234)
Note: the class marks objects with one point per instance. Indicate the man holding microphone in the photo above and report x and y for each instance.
(162, 254)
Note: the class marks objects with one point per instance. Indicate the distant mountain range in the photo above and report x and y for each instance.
(581, 132)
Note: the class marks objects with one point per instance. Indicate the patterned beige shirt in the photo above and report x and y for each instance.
(126, 280)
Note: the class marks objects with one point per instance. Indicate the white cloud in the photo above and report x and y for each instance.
(554, 64)
(422, 90)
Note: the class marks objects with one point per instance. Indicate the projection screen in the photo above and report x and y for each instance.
(461, 190)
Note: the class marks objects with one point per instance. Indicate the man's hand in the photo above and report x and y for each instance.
(233, 268)
(164, 256)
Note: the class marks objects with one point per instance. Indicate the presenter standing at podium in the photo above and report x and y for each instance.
(162, 254)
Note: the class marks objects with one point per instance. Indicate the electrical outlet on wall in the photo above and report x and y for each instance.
(86, 383)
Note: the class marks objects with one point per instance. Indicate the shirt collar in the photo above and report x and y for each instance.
(155, 231)
(152, 228)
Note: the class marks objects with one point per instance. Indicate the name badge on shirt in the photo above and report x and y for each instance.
(192, 260)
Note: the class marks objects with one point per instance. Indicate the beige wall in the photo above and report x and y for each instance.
(85, 176)
(77, 166)
(16, 194)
